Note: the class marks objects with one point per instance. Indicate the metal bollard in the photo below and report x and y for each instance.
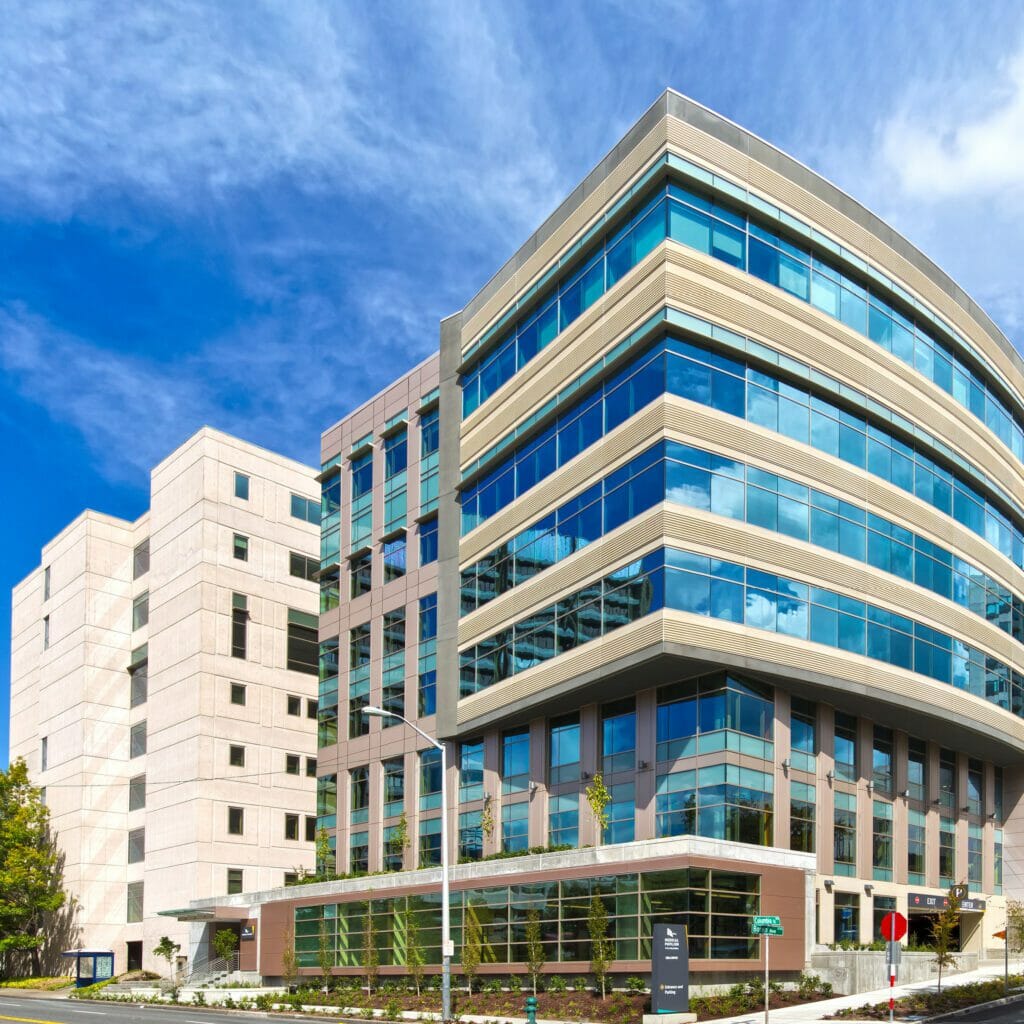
(531, 1010)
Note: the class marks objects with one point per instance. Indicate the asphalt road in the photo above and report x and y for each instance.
(68, 1011)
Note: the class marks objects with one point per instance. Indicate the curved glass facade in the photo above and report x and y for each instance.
(737, 387)
(700, 479)
(734, 237)
(673, 578)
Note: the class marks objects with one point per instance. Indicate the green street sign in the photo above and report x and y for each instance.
(766, 929)
(767, 920)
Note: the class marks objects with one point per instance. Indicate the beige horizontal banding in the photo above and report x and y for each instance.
(717, 537)
(689, 142)
(690, 423)
(711, 290)
(770, 649)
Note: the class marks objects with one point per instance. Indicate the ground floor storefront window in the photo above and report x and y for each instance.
(716, 907)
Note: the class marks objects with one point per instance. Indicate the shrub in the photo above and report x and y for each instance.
(635, 984)
(556, 983)
(579, 984)
(515, 983)
(392, 1010)
(492, 986)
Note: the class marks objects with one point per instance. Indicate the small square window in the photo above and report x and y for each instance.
(136, 845)
(291, 877)
(234, 880)
(294, 705)
(240, 548)
(311, 767)
(236, 821)
(311, 709)
(238, 694)
(137, 740)
(291, 826)
(241, 486)
(140, 611)
(140, 559)
(237, 757)
(137, 793)
(291, 763)
(136, 897)
(310, 829)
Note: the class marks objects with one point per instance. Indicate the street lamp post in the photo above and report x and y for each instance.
(447, 948)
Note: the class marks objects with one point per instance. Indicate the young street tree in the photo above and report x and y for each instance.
(31, 881)
(225, 942)
(534, 948)
(601, 949)
(371, 961)
(289, 960)
(167, 950)
(942, 932)
(472, 943)
(325, 954)
(414, 958)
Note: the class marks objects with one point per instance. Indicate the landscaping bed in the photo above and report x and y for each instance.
(929, 1003)
(40, 984)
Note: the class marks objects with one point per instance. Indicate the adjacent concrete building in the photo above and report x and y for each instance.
(163, 692)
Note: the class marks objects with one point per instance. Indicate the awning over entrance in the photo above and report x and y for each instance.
(208, 914)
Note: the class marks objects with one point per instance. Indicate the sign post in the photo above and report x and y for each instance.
(766, 925)
(670, 970)
(893, 928)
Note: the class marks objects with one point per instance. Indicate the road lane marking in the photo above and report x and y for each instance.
(98, 1013)
(29, 1020)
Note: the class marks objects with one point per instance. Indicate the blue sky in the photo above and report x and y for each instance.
(253, 214)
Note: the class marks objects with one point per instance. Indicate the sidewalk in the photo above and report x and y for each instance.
(35, 993)
(819, 1011)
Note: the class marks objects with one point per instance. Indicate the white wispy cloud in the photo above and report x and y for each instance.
(957, 139)
(186, 99)
(210, 111)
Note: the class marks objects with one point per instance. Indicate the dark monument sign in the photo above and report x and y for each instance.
(670, 970)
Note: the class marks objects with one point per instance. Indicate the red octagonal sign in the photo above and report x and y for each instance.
(894, 926)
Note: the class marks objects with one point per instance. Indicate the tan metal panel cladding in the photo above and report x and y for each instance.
(702, 634)
(797, 328)
(587, 467)
(690, 423)
(709, 151)
(621, 177)
(590, 656)
(601, 328)
(693, 281)
(631, 540)
(718, 537)
(721, 155)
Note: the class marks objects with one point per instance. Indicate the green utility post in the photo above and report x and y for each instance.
(766, 925)
(531, 1010)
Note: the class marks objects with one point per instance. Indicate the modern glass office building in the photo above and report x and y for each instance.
(715, 490)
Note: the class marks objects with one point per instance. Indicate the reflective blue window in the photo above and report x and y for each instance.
(695, 478)
(833, 430)
(739, 240)
(681, 580)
